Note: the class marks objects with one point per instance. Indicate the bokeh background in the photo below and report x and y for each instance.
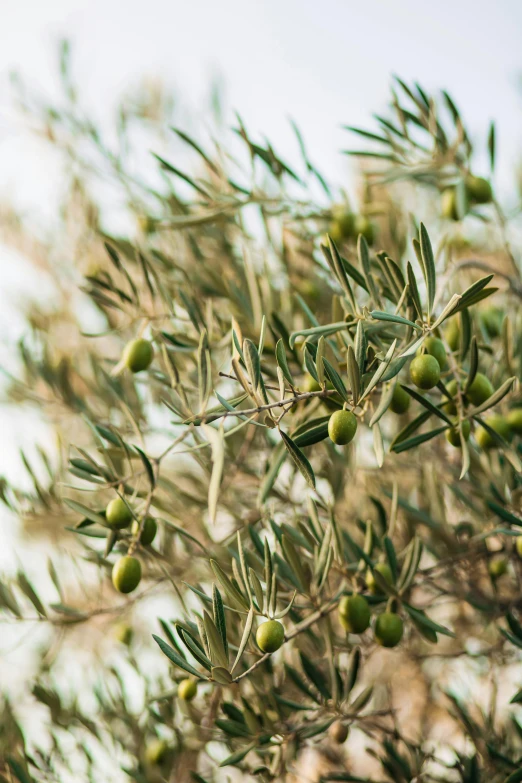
(323, 65)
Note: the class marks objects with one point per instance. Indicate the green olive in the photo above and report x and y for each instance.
(354, 613)
(138, 355)
(491, 318)
(365, 227)
(434, 347)
(448, 202)
(342, 427)
(310, 384)
(452, 334)
(499, 425)
(497, 567)
(480, 390)
(514, 420)
(453, 434)
(270, 636)
(518, 546)
(124, 633)
(385, 571)
(126, 574)
(338, 732)
(187, 689)
(388, 629)
(478, 189)
(117, 514)
(425, 371)
(450, 406)
(156, 751)
(400, 401)
(148, 533)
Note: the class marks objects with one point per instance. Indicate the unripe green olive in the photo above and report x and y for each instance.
(400, 401)
(187, 689)
(156, 751)
(388, 629)
(270, 636)
(514, 420)
(148, 533)
(117, 514)
(452, 334)
(497, 423)
(480, 390)
(310, 384)
(124, 633)
(450, 406)
(448, 203)
(425, 371)
(342, 427)
(354, 613)
(138, 355)
(363, 226)
(126, 574)
(497, 567)
(478, 189)
(518, 546)
(338, 732)
(385, 571)
(453, 434)
(491, 318)
(434, 347)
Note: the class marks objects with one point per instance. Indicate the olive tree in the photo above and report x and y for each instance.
(285, 476)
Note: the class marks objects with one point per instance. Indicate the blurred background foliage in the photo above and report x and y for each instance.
(228, 270)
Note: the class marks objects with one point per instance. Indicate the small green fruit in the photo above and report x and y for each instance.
(342, 427)
(453, 435)
(497, 567)
(480, 390)
(187, 689)
(425, 371)
(448, 203)
(518, 546)
(452, 334)
(117, 514)
(385, 571)
(388, 629)
(156, 751)
(310, 384)
(492, 320)
(434, 347)
(124, 633)
(451, 407)
(479, 189)
(354, 613)
(497, 423)
(138, 355)
(148, 533)
(338, 732)
(400, 401)
(270, 636)
(514, 419)
(126, 574)
(365, 227)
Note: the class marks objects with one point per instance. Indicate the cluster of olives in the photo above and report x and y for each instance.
(346, 225)
(354, 615)
(477, 190)
(126, 572)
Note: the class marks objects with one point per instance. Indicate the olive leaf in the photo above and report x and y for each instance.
(299, 459)
(173, 656)
(217, 443)
(244, 638)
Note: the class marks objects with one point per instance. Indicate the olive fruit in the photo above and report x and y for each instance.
(491, 318)
(425, 371)
(363, 226)
(478, 189)
(342, 225)
(400, 401)
(480, 390)
(450, 406)
(497, 567)
(518, 546)
(124, 633)
(514, 419)
(449, 204)
(354, 613)
(126, 574)
(138, 355)
(311, 385)
(338, 732)
(187, 689)
(342, 427)
(270, 636)
(156, 751)
(385, 571)
(452, 334)
(148, 533)
(497, 423)
(453, 434)
(434, 347)
(117, 514)
(388, 629)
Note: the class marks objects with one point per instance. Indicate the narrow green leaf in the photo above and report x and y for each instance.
(173, 656)
(299, 459)
(429, 265)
